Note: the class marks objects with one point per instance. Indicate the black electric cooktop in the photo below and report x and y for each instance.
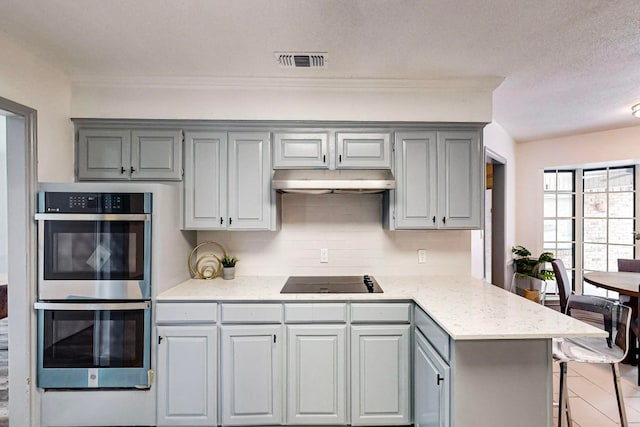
(330, 285)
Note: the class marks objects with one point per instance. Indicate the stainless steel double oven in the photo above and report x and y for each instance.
(94, 289)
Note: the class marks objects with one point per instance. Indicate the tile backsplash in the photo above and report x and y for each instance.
(350, 227)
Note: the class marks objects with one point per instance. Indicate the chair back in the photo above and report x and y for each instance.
(632, 265)
(564, 285)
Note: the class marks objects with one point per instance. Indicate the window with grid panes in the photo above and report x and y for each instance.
(608, 221)
(559, 220)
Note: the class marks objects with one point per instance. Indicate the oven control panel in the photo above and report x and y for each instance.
(98, 203)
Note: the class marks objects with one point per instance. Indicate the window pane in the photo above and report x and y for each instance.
(621, 231)
(565, 230)
(549, 229)
(565, 205)
(595, 205)
(595, 181)
(565, 181)
(621, 179)
(549, 205)
(595, 257)
(595, 230)
(615, 252)
(621, 205)
(549, 181)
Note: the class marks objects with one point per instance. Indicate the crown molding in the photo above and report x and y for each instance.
(484, 83)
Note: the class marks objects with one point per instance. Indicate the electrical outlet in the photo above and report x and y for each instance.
(324, 255)
(422, 256)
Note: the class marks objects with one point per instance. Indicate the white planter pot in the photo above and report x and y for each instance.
(228, 273)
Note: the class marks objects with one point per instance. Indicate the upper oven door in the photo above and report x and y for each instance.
(100, 256)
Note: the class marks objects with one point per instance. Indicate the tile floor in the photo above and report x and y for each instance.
(4, 373)
(592, 397)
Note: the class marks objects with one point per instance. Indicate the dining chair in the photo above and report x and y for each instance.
(610, 316)
(631, 265)
(564, 288)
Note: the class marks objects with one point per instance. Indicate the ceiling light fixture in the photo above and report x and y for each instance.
(635, 110)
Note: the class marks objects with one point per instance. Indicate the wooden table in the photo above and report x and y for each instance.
(624, 283)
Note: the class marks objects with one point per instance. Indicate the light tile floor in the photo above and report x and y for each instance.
(592, 396)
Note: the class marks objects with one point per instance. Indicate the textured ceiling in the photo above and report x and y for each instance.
(570, 66)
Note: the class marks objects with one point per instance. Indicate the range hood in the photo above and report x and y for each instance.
(323, 181)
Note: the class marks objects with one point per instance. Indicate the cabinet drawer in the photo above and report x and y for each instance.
(434, 333)
(311, 312)
(251, 313)
(381, 313)
(179, 312)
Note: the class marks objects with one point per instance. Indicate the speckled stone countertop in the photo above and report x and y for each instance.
(467, 308)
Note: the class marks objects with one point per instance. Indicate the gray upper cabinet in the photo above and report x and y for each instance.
(249, 185)
(332, 150)
(363, 150)
(439, 180)
(293, 150)
(125, 154)
(227, 183)
(460, 179)
(205, 180)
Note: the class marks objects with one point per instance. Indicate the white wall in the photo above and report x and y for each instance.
(350, 226)
(597, 148)
(4, 244)
(29, 81)
(287, 99)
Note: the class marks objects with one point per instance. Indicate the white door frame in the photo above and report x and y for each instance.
(22, 186)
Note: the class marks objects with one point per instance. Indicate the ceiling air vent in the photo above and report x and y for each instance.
(302, 59)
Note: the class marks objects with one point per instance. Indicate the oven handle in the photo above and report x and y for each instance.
(91, 306)
(92, 217)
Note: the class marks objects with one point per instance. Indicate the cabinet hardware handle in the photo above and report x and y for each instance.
(324, 158)
(159, 339)
(440, 379)
(274, 339)
(444, 220)
(221, 220)
(434, 219)
(133, 169)
(229, 220)
(122, 170)
(340, 158)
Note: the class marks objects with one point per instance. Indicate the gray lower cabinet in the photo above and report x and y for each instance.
(126, 154)
(380, 387)
(187, 358)
(430, 386)
(251, 374)
(439, 180)
(316, 385)
(227, 183)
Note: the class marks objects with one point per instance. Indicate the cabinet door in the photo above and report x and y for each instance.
(460, 179)
(104, 154)
(431, 386)
(316, 374)
(363, 150)
(156, 154)
(300, 150)
(249, 189)
(251, 369)
(416, 180)
(186, 378)
(205, 180)
(380, 375)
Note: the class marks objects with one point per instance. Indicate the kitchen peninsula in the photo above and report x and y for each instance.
(469, 353)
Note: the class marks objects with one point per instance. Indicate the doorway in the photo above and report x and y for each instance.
(17, 258)
(495, 264)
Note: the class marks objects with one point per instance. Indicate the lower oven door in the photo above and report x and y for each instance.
(94, 345)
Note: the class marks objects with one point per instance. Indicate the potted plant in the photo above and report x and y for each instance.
(531, 270)
(228, 266)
